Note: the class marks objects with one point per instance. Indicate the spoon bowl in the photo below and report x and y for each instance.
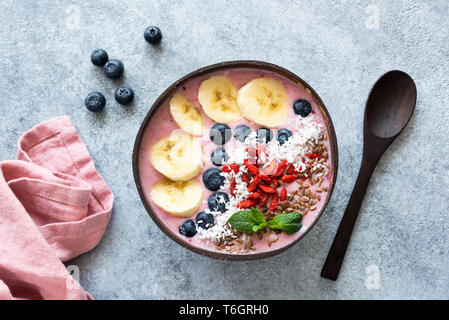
(390, 104)
(389, 108)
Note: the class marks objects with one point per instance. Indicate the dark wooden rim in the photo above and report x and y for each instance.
(213, 68)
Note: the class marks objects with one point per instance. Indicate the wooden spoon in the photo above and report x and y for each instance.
(390, 106)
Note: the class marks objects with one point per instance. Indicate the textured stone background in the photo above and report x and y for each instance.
(334, 45)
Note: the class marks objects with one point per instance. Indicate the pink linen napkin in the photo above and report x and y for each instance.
(54, 206)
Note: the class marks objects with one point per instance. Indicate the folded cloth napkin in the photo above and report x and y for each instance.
(54, 205)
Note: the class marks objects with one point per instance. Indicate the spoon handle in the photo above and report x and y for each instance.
(337, 251)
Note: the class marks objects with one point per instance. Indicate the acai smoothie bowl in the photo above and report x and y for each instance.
(236, 160)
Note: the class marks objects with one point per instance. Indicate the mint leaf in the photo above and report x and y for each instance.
(248, 221)
(288, 222)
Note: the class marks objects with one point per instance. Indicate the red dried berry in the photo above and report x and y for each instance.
(246, 203)
(290, 169)
(280, 168)
(274, 202)
(313, 156)
(232, 186)
(231, 167)
(265, 178)
(251, 168)
(283, 194)
(254, 195)
(246, 178)
(263, 199)
(267, 189)
(254, 184)
(288, 179)
(275, 182)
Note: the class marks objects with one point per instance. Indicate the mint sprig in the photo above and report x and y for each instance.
(288, 222)
(250, 221)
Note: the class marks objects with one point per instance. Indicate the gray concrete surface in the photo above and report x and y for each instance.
(337, 46)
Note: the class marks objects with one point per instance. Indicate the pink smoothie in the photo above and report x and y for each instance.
(162, 125)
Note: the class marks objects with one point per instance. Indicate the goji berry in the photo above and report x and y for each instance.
(230, 167)
(246, 178)
(254, 184)
(274, 202)
(246, 203)
(275, 182)
(232, 186)
(251, 168)
(283, 194)
(263, 199)
(313, 156)
(291, 169)
(254, 195)
(280, 168)
(265, 178)
(267, 189)
(288, 179)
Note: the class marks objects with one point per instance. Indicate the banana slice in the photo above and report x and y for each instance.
(264, 101)
(179, 198)
(178, 156)
(218, 97)
(186, 115)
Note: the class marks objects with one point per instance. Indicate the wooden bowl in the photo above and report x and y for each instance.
(218, 67)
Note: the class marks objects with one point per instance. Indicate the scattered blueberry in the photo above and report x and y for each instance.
(284, 135)
(204, 220)
(217, 201)
(264, 135)
(212, 179)
(188, 228)
(95, 101)
(124, 95)
(241, 132)
(113, 68)
(302, 107)
(220, 133)
(99, 57)
(153, 35)
(219, 156)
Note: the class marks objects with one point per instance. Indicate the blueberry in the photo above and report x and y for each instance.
(284, 135)
(264, 135)
(124, 95)
(113, 68)
(217, 201)
(212, 179)
(302, 107)
(188, 228)
(219, 156)
(153, 35)
(204, 220)
(241, 132)
(95, 101)
(99, 57)
(220, 133)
